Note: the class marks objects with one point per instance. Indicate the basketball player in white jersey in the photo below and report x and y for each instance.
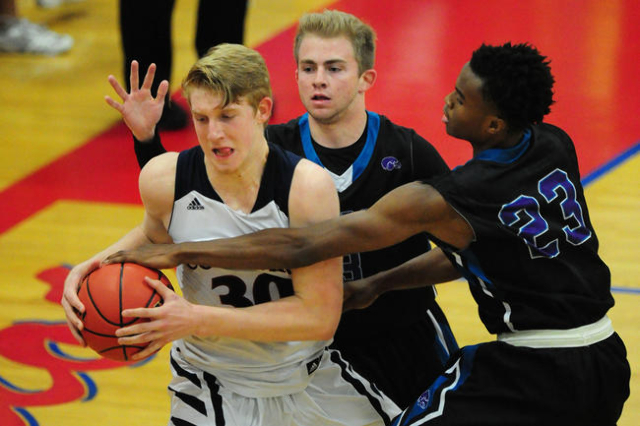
(249, 347)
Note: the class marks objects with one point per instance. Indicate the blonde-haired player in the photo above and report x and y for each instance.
(249, 346)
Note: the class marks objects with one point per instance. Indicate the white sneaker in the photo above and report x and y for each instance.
(23, 36)
(50, 4)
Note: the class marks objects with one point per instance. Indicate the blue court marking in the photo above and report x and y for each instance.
(628, 290)
(39, 321)
(54, 348)
(601, 171)
(612, 164)
(89, 385)
(7, 384)
(143, 361)
(31, 421)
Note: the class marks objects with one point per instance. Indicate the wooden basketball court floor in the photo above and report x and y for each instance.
(68, 173)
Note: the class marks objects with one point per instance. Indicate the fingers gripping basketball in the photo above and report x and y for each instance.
(105, 293)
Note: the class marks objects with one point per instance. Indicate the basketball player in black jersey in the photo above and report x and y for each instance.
(514, 222)
(368, 156)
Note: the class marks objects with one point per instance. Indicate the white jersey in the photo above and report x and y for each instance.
(249, 368)
(336, 396)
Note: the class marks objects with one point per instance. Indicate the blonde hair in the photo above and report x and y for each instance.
(232, 70)
(334, 23)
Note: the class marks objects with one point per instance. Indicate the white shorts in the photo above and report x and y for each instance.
(336, 395)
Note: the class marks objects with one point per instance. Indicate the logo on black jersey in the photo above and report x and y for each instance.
(424, 399)
(390, 163)
(195, 205)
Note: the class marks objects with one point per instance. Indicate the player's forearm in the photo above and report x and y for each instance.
(284, 248)
(289, 248)
(430, 268)
(281, 248)
(146, 146)
(287, 319)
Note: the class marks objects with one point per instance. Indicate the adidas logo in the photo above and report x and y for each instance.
(195, 205)
(313, 365)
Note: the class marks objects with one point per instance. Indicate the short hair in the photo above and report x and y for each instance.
(334, 23)
(232, 70)
(517, 80)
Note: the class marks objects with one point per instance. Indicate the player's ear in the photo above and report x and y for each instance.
(496, 125)
(367, 80)
(263, 111)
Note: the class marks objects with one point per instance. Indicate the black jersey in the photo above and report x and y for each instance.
(534, 261)
(391, 156)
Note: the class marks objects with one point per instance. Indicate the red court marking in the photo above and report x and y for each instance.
(27, 343)
(593, 46)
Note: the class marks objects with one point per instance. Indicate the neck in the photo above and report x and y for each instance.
(507, 141)
(343, 132)
(239, 188)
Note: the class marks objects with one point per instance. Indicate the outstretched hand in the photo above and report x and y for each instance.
(139, 109)
(173, 320)
(158, 256)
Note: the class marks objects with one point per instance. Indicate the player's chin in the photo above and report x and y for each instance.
(451, 131)
(323, 116)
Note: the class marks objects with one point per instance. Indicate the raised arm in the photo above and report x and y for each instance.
(403, 212)
(141, 112)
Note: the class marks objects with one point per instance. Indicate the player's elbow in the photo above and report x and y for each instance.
(327, 333)
(327, 317)
(329, 323)
(325, 327)
(322, 315)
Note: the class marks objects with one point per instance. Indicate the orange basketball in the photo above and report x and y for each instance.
(105, 293)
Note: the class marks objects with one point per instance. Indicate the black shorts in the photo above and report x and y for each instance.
(500, 384)
(403, 361)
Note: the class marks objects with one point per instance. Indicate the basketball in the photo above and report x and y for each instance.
(105, 293)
